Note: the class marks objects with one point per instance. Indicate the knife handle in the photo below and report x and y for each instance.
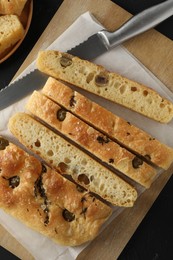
(138, 24)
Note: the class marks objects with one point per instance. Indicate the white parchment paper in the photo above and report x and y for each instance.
(120, 61)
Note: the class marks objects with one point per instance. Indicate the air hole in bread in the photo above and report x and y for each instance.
(50, 153)
(117, 84)
(63, 166)
(122, 89)
(102, 187)
(82, 70)
(84, 179)
(84, 162)
(133, 89)
(90, 77)
(91, 178)
(67, 160)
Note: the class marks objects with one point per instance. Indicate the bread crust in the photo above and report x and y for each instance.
(47, 202)
(96, 79)
(115, 127)
(12, 6)
(90, 139)
(68, 159)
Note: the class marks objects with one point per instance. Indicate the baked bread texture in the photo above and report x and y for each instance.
(12, 6)
(11, 31)
(90, 139)
(70, 160)
(96, 79)
(46, 201)
(115, 127)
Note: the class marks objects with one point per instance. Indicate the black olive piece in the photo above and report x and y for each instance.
(111, 160)
(103, 139)
(3, 143)
(14, 181)
(65, 61)
(67, 215)
(83, 178)
(72, 101)
(101, 80)
(44, 169)
(61, 114)
(136, 162)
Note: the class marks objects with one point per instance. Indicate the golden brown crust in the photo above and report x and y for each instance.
(96, 79)
(46, 201)
(90, 139)
(112, 125)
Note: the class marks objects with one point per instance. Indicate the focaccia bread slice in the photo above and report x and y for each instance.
(90, 139)
(115, 127)
(96, 79)
(12, 6)
(69, 159)
(11, 31)
(45, 201)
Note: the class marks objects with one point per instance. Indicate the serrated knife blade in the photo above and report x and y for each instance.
(21, 88)
(104, 40)
(96, 45)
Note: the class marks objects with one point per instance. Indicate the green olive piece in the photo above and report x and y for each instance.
(65, 61)
(3, 143)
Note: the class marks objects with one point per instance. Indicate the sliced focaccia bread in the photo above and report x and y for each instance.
(96, 79)
(12, 6)
(46, 201)
(70, 160)
(11, 31)
(115, 127)
(90, 139)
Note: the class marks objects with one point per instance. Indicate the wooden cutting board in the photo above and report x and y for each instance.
(157, 58)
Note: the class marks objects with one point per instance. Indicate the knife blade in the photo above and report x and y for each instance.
(21, 88)
(96, 45)
(104, 40)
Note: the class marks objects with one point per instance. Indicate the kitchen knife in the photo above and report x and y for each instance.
(104, 40)
(96, 45)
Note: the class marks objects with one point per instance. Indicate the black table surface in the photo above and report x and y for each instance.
(153, 238)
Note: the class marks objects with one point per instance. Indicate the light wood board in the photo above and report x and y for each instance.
(157, 58)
